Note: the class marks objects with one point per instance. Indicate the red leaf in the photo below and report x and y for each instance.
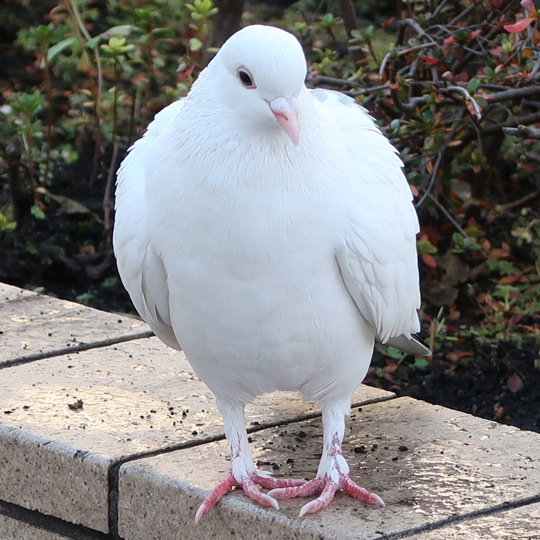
(388, 22)
(513, 278)
(430, 260)
(474, 35)
(430, 61)
(449, 41)
(514, 383)
(519, 26)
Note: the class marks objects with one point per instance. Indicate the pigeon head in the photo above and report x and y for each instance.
(262, 76)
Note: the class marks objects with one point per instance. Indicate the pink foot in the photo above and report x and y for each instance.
(329, 488)
(250, 489)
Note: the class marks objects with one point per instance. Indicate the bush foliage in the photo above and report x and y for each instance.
(455, 85)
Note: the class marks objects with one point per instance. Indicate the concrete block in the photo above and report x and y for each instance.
(517, 524)
(65, 420)
(427, 462)
(12, 529)
(35, 326)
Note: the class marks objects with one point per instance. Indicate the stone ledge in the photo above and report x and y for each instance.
(36, 326)
(450, 465)
(124, 439)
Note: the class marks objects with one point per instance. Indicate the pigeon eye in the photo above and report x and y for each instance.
(245, 78)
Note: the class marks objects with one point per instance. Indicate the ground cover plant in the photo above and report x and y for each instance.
(455, 86)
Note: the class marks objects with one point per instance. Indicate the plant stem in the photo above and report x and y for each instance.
(48, 127)
(95, 91)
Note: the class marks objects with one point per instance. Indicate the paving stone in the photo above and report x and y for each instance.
(12, 529)
(9, 293)
(65, 420)
(517, 524)
(34, 326)
(427, 462)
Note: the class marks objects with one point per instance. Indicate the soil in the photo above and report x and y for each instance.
(498, 381)
(62, 256)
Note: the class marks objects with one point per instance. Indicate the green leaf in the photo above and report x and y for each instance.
(471, 243)
(473, 85)
(394, 353)
(195, 44)
(6, 225)
(61, 46)
(38, 212)
(425, 247)
(85, 298)
(420, 362)
(458, 240)
(33, 250)
(122, 30)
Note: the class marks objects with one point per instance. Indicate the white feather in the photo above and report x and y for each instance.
(275, 266)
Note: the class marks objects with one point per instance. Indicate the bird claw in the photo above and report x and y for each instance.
(271, 482)
(327, 494)
(249, 486)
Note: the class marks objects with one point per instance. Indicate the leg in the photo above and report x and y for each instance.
(242, 473)
(333, 472)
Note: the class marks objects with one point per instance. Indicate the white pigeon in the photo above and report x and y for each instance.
(268, 231)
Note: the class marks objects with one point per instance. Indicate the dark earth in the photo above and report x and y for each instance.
(63, 256)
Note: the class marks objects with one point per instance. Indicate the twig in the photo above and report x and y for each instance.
(385, 59)
(323, 79)
(96, 92)
(450, 218)
(408, 50)
(365, 91)
(440, 154)
(432, 178)
(514, 93)
(536, 67)
(526, 119)
(437, 9)
(527, 132)
(468, 97)
(415, 26)
(495, 87)
(107, 199)
(411, 105)
(526, 199)
(463, 13)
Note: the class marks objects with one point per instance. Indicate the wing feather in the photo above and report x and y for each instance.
(377, 258)
(141, 269)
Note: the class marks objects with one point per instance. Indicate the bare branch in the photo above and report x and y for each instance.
(365, 91)
(451, 219)
(322, 79)
(526, 119)
(468, 97)
(515, 93)
(526, 132)
(526, 199)
(440, 155)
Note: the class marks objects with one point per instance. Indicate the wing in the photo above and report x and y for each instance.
(142, 271)
(377, 259)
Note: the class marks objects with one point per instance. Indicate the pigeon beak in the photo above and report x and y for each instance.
(285, 110)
